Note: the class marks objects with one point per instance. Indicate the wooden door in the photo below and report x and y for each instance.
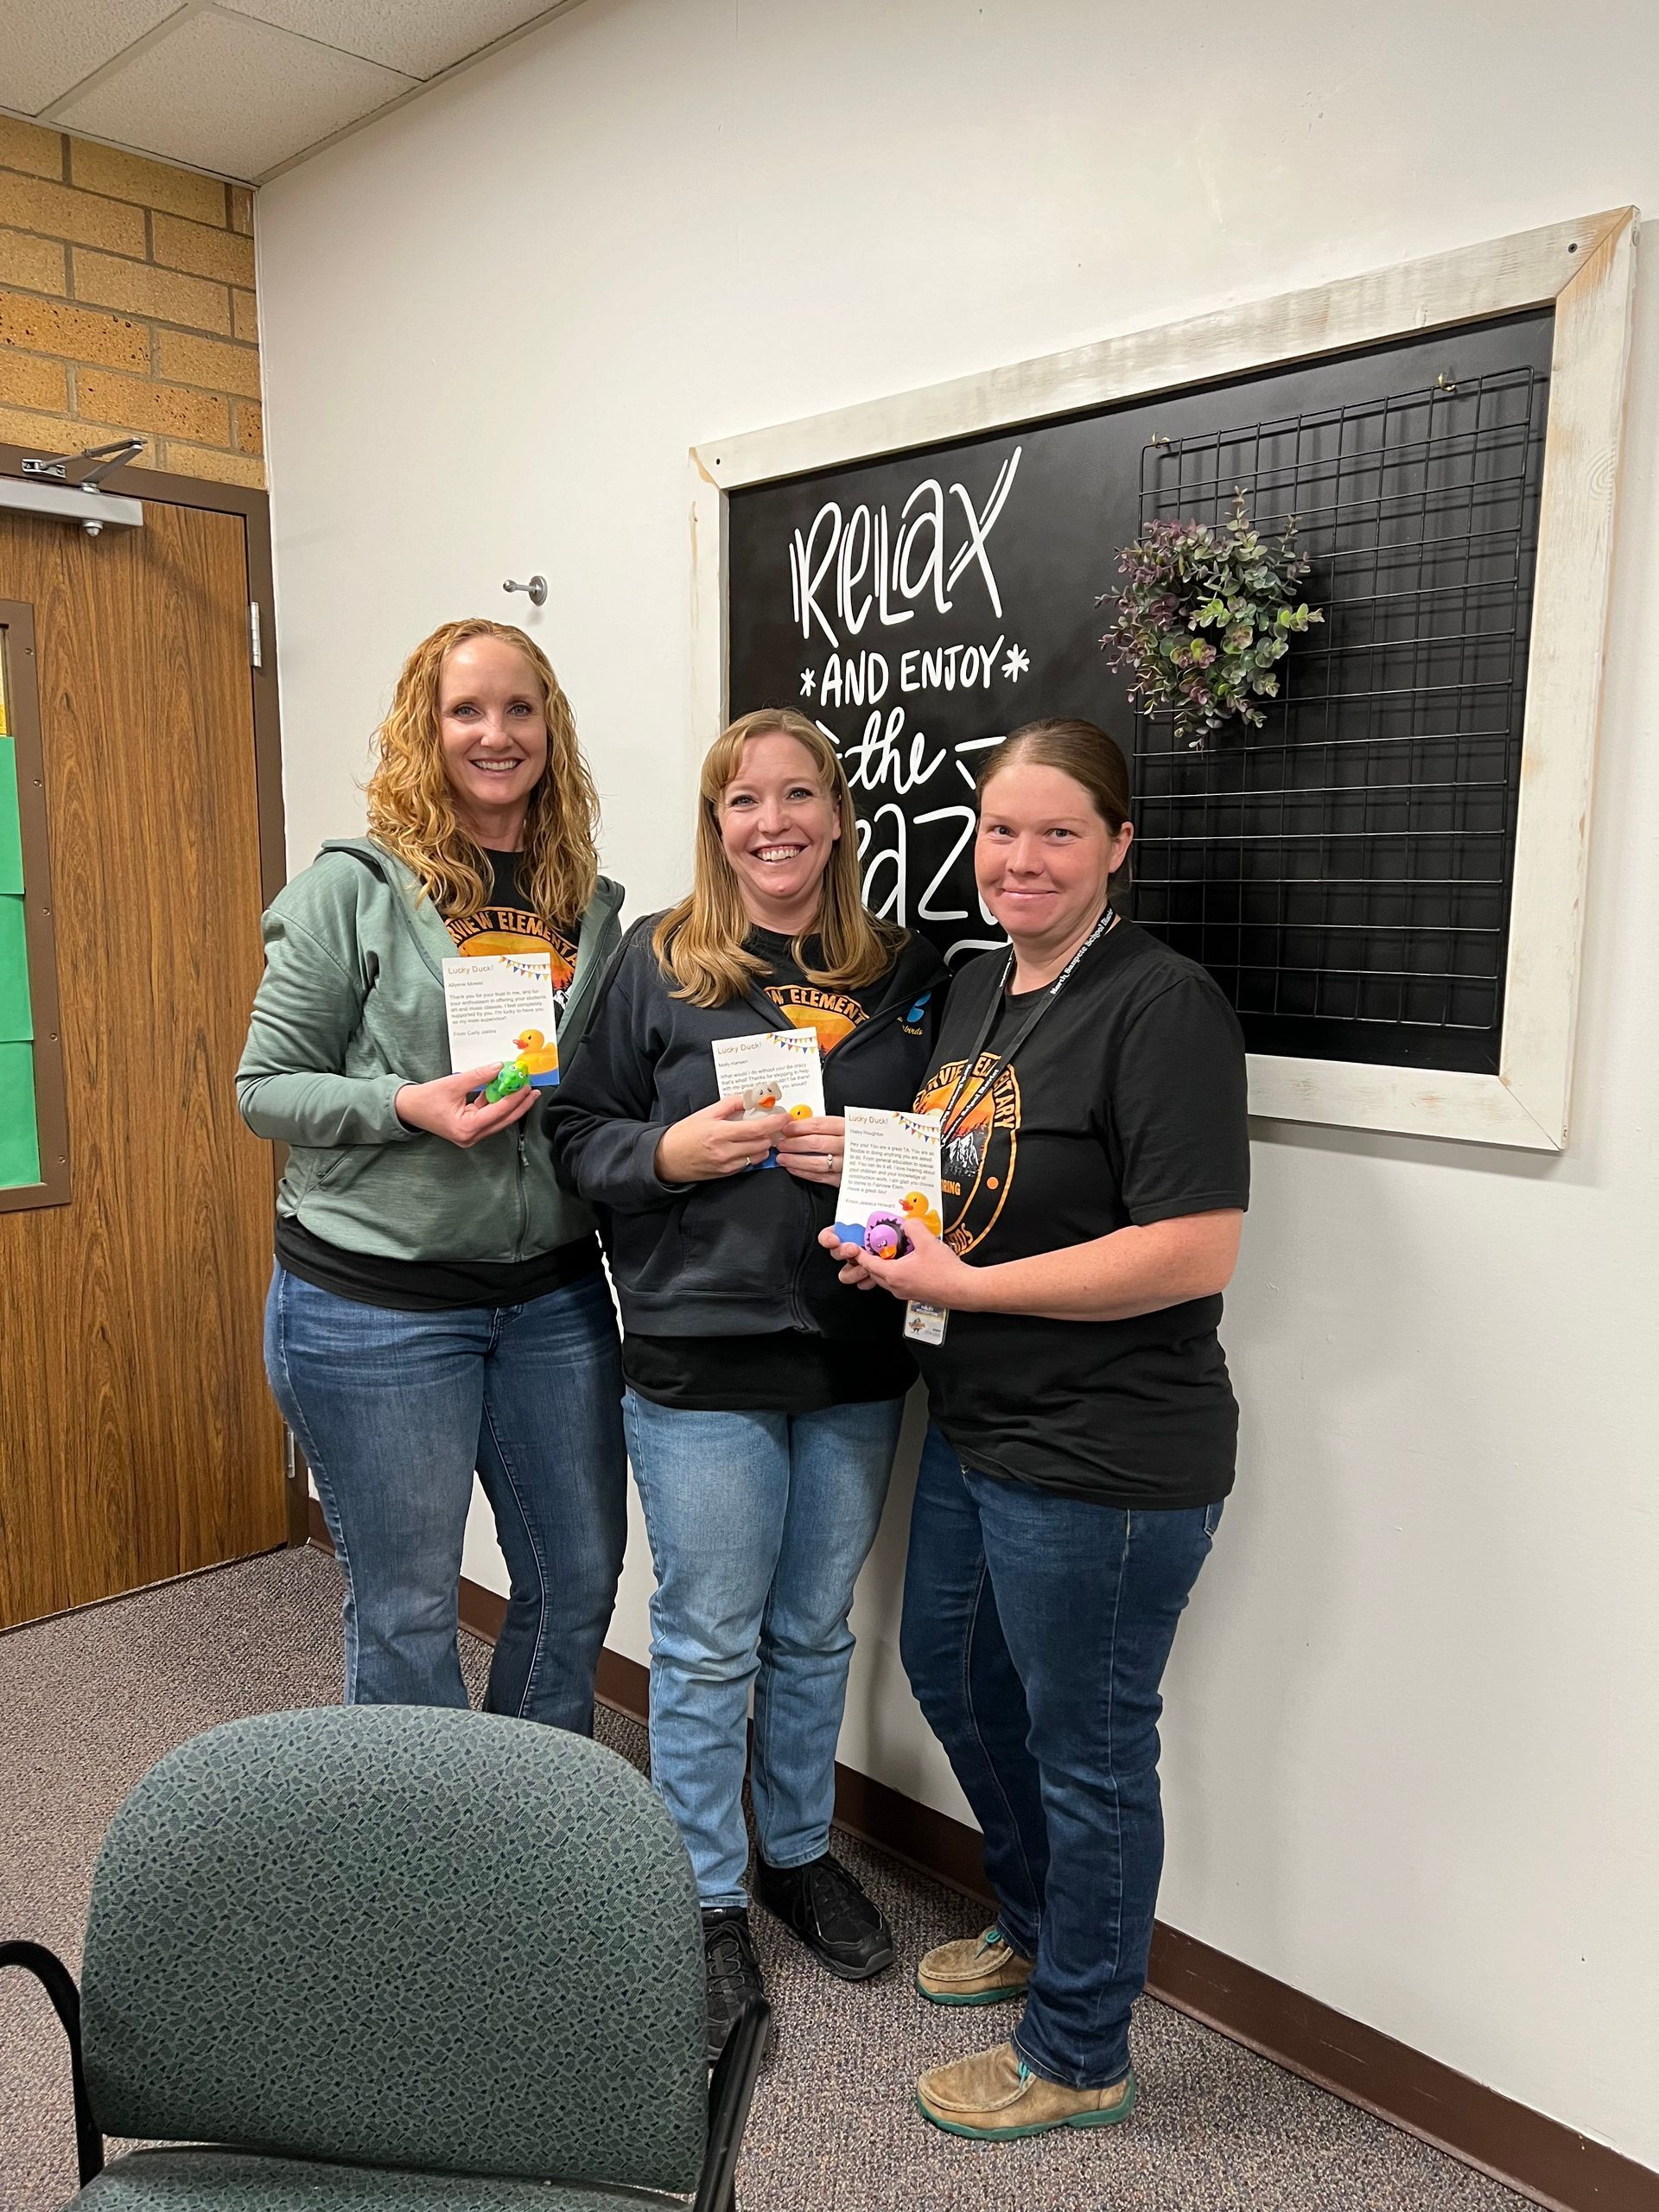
(137, 1439)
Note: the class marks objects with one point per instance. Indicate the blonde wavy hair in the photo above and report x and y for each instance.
(701, 942)
(411, 803)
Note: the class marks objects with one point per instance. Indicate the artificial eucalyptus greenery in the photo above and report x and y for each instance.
(1203, 616)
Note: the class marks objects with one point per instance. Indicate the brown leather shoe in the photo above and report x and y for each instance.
(975, 1970)
(994, 2096)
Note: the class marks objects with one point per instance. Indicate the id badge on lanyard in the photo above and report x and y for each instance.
(926, 1325)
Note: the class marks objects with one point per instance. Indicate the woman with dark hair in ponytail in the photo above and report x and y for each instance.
(1095, 1172)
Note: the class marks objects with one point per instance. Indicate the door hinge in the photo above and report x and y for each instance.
(255, 649)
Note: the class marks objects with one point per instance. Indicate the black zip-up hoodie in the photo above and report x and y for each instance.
(738, 1255)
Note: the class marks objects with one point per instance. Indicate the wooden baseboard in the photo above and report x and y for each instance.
(1541, 2159)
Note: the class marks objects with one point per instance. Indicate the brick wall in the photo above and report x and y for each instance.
(126, 304)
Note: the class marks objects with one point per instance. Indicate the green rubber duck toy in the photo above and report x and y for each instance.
(507, 1079)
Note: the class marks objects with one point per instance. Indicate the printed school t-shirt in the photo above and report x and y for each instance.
(787, 1370)
(507, 922)
(1126, 1105)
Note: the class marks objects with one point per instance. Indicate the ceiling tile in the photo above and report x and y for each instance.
(421, 36)
(227, 93)
(49, 45)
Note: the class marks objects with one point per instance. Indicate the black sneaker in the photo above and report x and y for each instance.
(825, 1906)
(732, 1971)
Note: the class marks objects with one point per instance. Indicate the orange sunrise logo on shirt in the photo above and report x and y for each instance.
(510, 929)
(830, 1012)
(979, 1155)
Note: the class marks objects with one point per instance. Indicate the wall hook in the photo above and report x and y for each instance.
(536, 588)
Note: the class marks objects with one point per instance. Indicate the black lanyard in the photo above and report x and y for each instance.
(953, 1118)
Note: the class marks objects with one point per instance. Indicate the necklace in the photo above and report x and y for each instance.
(956, 1113)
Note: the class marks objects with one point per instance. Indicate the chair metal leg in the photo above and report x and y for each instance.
(59, 1985)
(730, 2094)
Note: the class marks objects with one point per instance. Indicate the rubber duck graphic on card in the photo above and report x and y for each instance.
(889, 1190)
(499, 1007)
(780, 1072)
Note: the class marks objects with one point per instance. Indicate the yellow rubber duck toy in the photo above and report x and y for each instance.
(536, 1056)
(915, 1207)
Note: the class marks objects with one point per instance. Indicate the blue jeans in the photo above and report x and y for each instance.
(759, 1523)
(394, 1412)
(1036, 1629)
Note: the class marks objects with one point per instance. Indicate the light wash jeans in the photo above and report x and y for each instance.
(758, 1524)
(394, 1411)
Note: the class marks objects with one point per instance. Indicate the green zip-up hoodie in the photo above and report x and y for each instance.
(351, 1008)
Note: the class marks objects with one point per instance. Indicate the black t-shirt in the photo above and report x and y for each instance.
(1126, 1105)
(791, 1370)
(507, 922)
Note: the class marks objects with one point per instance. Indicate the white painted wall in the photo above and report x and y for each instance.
(1413, 1748)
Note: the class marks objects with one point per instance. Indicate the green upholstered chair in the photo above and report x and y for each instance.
(395, 1958)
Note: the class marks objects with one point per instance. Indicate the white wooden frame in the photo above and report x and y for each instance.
(1586, 269)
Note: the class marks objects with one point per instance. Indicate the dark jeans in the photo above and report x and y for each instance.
(1036, 1629)
(394, 1412)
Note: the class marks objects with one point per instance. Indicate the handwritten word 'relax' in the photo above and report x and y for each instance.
(861, 565)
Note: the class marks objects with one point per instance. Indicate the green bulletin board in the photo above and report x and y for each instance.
(20, 1151)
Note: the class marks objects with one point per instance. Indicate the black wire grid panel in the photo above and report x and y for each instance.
(1344, 872)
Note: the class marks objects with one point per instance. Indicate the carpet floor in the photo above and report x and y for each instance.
(92, 1698)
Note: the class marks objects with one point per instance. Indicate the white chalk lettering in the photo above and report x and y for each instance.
(930, 520)
(807, 608)
(925, 911)
(854, 680)
(851, 570)
(871, 567)
(898, 852)
(883, 577)
(980, 526)
(876, 759)
(862, 567)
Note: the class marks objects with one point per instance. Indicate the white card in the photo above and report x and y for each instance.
(890, 1177)
(499, 1007)
(781, 1071)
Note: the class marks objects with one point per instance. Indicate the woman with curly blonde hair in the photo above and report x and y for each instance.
(438, 1305)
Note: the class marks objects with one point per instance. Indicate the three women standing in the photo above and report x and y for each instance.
(438, 1303)
(763, 1399)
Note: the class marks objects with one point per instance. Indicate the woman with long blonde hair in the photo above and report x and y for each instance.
(763, 1400)
(438, 1303)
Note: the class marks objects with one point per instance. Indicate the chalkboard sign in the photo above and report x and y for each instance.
(1387, 879)
(1346, 870)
